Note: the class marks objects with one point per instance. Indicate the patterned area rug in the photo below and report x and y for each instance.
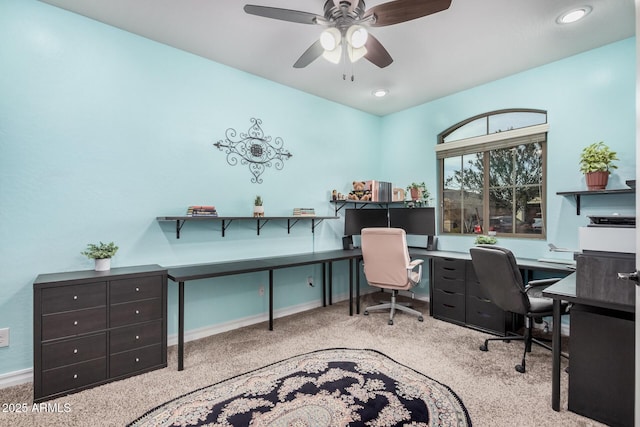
(335, 387)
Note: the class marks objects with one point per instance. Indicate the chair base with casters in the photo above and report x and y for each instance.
(393, 305)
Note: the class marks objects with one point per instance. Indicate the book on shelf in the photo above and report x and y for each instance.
(201, 210)
(304, 212)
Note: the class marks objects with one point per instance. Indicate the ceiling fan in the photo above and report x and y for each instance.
(346, 23)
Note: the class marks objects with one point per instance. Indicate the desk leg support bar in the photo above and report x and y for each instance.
(271, 300)
(555, 375)
(180, 326)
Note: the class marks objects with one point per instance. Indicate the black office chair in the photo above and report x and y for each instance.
(500, 277)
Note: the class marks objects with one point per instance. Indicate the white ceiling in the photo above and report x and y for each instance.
(471, 43)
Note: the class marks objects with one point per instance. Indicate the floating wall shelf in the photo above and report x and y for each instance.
(577, 194)
(260, 221)
(339, 204)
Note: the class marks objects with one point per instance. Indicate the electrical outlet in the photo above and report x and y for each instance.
(261, 291)
(310, 281)
(4, 337)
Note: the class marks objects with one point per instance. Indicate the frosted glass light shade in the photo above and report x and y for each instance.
(330, 39)
(357, 36)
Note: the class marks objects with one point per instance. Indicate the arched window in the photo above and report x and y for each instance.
(492, 174)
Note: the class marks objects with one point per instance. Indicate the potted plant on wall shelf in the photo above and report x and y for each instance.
(258, 209)
(596, 162)
(418, 193)
(101, 253)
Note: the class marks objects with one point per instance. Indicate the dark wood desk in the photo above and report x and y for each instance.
(182, 274)
(565, 290)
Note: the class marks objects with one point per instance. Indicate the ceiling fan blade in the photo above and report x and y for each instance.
(395, 12)
(376, 53)
(284, 14)
(309, 55)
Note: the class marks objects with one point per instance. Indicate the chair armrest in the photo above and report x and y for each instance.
(541, 283)
(411, 269)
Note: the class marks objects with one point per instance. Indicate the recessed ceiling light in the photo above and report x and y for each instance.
(379, 93)
(574, 15)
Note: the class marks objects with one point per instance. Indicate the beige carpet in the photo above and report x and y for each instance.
(490, 388)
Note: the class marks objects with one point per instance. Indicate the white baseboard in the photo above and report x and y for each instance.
(16, 378)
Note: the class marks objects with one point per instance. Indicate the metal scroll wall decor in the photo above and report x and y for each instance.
(254, 149)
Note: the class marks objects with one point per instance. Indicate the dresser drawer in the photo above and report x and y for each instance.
(135, 360)
(473, 285)
(135, 289)
(450, 306)
(135, 312)
(69, 352)
(68, 298)
(131, 337)
(74, 376)
(485, 315)
(450, 285)
(449, 267)
(73, 323)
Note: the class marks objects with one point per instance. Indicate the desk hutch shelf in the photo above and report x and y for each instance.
(339, 204)
(578, 194)
(260, 221)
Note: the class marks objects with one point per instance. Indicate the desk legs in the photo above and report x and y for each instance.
(180, 326)
(357, 286)
(271, 300)
(350, 286)
(330, 283)
(324, 284)
(555, 375)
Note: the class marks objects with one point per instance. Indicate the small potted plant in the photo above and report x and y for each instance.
(486, 240)
(101, 253)
(596, 162)
(418, 192)
(258, 209)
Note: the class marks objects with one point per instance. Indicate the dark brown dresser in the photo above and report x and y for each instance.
(93, 327)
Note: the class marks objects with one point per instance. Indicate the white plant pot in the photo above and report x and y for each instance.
(258, 211)
(103, 264)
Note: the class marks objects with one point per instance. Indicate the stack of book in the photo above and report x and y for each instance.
(202, 211)
(304, 212)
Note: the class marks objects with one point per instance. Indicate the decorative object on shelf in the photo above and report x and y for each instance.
(359, 191)
(398, 195)
(202, 211)
(304, 212)
(596, 162)
(258, 209)
(418, 193)
(486, 240)
(101, 253)
(255, 149)
(334, 195)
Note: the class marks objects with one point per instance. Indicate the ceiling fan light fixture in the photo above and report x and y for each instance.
(356, 54)
(334, 55)
(330, 39)
(574, 15)
(357, 36)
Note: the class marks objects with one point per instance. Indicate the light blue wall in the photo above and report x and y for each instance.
(589, 97)
(102, 131)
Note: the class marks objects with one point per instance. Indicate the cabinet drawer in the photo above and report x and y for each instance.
(74, 376)
(449, 285)
(68, 352)
(135, 336)
(485, 315)
(135, 289)
(135, 360)
(449, 268)
(73, 323)
(135, 312)
(473, 285)
(449, 305)
(68, 298)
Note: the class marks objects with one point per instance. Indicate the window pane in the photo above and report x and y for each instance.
(500, 210)
(452, 211)
(473, 173)
(501, 167)
(529, 209)
(477, 127)
(473, 212)
(452, 178)
(515, 120)
(528, 164)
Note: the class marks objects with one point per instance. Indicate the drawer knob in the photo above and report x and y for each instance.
(137, 289)
(75, 323)
(137, 359)
(137, 337)
(75, 376)
(75, 297)
(137, 311)
(75, 351)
